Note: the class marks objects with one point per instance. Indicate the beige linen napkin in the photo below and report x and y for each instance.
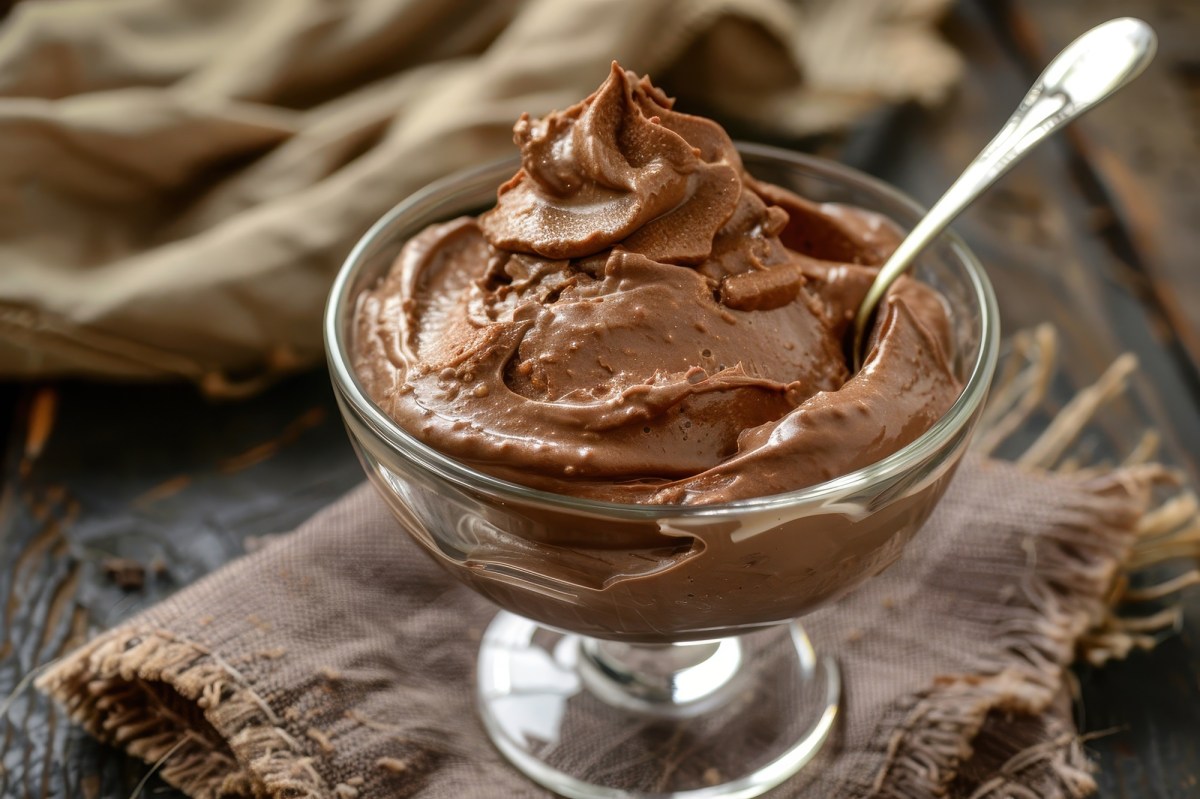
(180, 179)
(338, 661)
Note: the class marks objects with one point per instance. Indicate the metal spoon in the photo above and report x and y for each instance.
(1090, 70)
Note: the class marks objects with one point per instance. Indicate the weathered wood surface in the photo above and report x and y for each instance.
(1138, 155)
(1094, 233)
(154, 474)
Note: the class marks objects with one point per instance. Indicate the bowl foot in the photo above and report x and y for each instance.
(593, 719)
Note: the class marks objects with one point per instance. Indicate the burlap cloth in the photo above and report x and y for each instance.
(339, 660)
(343, 656)
(180, 179)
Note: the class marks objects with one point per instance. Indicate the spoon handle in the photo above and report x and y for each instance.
(1088, 71)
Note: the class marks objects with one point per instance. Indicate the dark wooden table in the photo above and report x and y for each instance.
(1098, 233)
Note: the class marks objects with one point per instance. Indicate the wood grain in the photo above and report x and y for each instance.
(145, 473)
(1138, 152)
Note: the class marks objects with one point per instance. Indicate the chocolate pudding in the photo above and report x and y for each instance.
(638, 320)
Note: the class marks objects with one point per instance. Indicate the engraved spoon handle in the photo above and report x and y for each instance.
(1091, 69)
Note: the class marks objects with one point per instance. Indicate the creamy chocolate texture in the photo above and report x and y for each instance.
(638, 320)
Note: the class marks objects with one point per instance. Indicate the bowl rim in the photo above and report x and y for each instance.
(350, 390)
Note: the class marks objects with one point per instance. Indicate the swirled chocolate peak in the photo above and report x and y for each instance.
(618, 168)
(639, 320)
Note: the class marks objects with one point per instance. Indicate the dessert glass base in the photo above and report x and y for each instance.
(733, 717)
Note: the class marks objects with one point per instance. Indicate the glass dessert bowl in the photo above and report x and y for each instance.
(636, 641)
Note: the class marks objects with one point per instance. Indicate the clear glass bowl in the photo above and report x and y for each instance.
(572, 573)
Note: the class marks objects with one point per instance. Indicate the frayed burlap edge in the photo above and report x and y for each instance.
(1083, 575)
(111, 688)
(927, 737)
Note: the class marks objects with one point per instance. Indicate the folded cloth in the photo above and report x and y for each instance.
(337, 661)
(180, 179)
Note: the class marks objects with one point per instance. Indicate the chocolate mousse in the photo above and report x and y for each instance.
(639, 320)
